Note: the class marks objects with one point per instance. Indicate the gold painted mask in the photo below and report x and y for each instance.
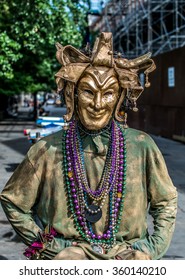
(93, 75)
(98, 93)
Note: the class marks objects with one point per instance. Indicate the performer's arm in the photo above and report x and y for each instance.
(162, 196)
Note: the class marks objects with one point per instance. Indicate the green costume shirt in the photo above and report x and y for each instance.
(37, 189)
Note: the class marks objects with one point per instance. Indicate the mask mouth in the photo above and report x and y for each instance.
(96, 115)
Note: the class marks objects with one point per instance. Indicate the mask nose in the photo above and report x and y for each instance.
(97, 101)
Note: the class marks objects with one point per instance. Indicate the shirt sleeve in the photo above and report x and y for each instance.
(162, 197)
(18, 199)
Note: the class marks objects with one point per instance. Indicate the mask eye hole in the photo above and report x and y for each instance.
(88, 91)
(108, 93)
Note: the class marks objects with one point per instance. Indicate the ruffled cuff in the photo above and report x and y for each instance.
(35, 250)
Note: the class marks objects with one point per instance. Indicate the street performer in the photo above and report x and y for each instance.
(85, 191)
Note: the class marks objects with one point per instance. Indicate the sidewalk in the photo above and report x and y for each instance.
(174, 155)
(13, 147)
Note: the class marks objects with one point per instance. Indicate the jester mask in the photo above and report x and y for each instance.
(99, 86)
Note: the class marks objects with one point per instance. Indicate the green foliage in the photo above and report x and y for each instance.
(29, 30)
(9, 53)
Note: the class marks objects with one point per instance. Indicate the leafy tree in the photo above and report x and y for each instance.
(9, 54)
(29, 30)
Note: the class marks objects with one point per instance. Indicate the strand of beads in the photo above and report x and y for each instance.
(115, 175)
(93, 133)
(116, 196)
(79, 204)
(101, 190)
(106, 239)
(70, 183)
(66, 170)
(102, 187)
(74, 149)
(122, 173)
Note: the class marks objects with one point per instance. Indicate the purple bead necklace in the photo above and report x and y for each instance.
(111, 186)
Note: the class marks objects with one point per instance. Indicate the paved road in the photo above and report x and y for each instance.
(13, 147)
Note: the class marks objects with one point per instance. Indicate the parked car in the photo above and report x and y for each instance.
(45, 126)
(50, 101)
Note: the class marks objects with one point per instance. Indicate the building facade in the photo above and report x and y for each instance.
(156, 26)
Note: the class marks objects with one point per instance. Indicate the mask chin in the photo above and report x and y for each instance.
(94, 125)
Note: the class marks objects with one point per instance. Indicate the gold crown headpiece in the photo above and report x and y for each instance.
(74, 63)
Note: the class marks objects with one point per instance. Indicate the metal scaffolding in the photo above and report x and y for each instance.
(141, 26)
